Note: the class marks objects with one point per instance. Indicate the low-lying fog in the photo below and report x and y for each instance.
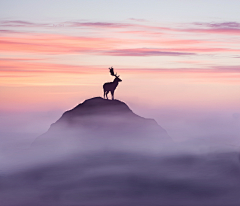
(197, 171)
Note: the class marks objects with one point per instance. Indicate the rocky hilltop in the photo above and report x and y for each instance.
(109, 121)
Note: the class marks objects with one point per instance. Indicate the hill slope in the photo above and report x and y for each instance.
(105, 121)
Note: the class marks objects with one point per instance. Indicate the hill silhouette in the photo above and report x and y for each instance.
(104, 121)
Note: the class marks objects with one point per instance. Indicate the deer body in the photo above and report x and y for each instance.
(111, 86)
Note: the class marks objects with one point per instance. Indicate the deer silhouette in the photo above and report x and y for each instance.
(111, 86)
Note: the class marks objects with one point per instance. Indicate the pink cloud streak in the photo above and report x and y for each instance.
(232, 28)
(47, 43)
(62, 44)
(144, 52)
(31, 66)
(25, 66)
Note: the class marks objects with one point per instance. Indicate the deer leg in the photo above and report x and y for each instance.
(104, 94)
(107, 94)
(112, 92)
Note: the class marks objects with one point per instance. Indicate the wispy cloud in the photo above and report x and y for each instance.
(56, 44)
(13, 65)
(88, 24)
(137, 26)
(138, 20)
(227, 27)
(230, 28)
(97, 24)
(210, 70)
(219, 25)
(9, 66)
(144, 52)
(227, 69)
(65, 44)
(5, 31)
(19, 23)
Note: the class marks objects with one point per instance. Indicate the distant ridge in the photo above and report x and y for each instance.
(108, 120)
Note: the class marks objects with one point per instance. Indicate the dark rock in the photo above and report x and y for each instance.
(102, 119)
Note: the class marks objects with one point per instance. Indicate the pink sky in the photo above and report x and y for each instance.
(177, 66)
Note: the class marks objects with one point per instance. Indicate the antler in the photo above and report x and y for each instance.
(111, 71)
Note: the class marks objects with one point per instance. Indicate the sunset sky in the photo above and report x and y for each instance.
(179, 61)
